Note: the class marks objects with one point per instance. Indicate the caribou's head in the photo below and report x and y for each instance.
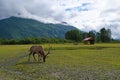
(44, 57)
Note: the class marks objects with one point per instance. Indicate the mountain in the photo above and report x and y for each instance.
(16, 28)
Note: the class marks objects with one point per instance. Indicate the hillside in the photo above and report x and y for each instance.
(15, 27)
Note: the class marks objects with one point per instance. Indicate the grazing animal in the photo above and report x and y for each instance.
(38, 50)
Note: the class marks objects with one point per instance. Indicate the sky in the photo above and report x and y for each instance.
(84, 14)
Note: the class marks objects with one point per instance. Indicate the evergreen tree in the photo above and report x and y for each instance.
(73, 35)
(85, 35)
(105, 35)
(109, 35)
(98, 37)
(91, 34)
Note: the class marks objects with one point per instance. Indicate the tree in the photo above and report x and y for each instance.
(109, 35)
(105, 35)
(98, 37)
(74, 35)
(85, 35)
(91, 34)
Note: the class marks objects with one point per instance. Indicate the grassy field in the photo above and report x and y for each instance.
(66, 62)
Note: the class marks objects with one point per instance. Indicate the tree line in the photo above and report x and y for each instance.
(33, 41)
(104, 35)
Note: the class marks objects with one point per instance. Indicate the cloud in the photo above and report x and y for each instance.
(83, 14)
(42, 10)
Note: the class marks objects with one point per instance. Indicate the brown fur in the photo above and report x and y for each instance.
(38, 50)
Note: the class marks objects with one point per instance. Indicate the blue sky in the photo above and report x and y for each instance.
(83, 14)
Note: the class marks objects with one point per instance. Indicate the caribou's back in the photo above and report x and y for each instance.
(37, 49)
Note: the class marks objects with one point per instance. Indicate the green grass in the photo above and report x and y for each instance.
(66, 62)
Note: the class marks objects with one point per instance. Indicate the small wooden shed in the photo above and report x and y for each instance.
(90, 40)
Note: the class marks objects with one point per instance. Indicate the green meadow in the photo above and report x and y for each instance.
(66, 62)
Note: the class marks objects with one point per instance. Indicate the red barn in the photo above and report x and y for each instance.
(90, 40)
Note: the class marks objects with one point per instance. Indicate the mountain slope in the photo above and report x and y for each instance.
(15, 27)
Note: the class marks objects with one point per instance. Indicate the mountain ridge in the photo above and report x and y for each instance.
(16, 27)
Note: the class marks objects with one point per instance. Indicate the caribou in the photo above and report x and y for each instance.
(38, 50)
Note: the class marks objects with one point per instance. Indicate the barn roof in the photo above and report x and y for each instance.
(88, 38)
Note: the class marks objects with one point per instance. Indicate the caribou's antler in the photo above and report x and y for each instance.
(49, 50)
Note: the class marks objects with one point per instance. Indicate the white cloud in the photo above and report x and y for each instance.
(83, 14)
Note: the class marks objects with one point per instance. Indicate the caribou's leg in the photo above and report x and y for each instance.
(34, 56)
(39, 57)
(29, 56)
